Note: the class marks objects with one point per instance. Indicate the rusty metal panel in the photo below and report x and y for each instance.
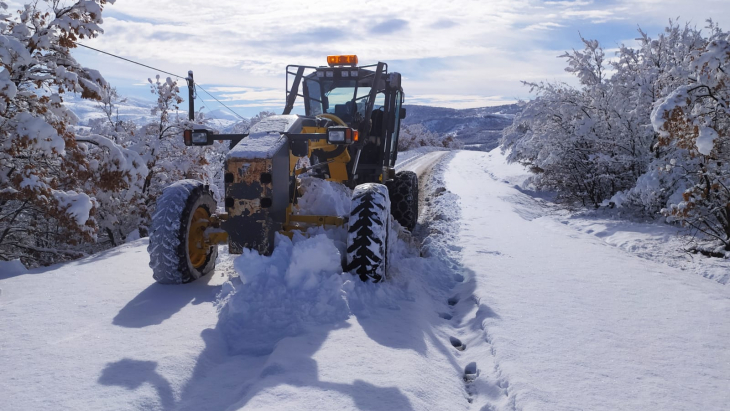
(256, 200)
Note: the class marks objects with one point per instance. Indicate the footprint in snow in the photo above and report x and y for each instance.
(471, 372)
(446, 316)
(453, 300)
(457, 343)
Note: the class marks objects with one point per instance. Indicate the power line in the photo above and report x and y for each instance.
(131, 61)
(219, 102)
(163, 71)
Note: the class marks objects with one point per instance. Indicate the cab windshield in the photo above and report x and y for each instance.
(343, 98)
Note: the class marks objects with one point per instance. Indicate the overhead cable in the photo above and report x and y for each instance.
(163, 71)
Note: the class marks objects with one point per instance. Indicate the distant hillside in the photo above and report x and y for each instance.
(473, 126)
(134, 109)
(139, 111)
(476, 127)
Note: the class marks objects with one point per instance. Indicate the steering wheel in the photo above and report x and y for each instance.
(333, 118)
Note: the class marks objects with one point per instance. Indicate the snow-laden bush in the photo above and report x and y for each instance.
(693, 123)
(416, 135)
(591, 142)
(160, 146)
(49, 180)
(653, 135)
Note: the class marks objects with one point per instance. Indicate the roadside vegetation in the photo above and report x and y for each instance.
(648, 129)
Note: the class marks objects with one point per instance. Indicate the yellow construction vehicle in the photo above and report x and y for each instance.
(349, 134)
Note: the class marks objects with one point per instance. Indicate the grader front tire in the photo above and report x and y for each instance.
(367, 237)
(177, 250)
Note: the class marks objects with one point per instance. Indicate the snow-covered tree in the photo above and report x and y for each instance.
(118, 212)
(160, 145)
(49, 179)
(693, 122)
(416, 135)
(589, 143)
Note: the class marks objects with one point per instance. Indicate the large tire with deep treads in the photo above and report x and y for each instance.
(367, 233)
(403, 190)
(170, 237)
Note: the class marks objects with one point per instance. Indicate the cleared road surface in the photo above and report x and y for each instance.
(421, 164)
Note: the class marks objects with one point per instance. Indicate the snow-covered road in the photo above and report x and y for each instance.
(573, 323)
(508, 307)
(421, 164)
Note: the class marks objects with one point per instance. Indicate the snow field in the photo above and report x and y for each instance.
(99, 333)
(506, 304)
(564, 320)
(287, 331)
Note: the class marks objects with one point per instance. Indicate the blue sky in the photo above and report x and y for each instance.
(457, 54)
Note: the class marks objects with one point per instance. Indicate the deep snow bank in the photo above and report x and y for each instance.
(279, 295)
(302, 284)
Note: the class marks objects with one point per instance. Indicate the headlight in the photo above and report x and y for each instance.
(341, 135)
(337, 136)
(200, 137)
(197, 137)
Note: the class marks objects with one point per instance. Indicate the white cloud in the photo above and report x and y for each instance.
(467, 48)
(543, 26)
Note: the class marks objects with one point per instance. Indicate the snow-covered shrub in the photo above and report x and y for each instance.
(49, 179)
(416, 135)
(558, 136)
(160, 146)
(117, 211)
(693, 124)
(592, 142)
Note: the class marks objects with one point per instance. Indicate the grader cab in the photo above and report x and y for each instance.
(348, 134)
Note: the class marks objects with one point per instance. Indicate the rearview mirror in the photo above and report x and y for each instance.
(394, 81)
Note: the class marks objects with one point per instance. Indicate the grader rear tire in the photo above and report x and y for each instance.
(367, 237)
(403, 190)
(177, 255)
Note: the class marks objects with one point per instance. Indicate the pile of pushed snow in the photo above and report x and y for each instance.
(278, 296)
(322, 197)
(302, 284)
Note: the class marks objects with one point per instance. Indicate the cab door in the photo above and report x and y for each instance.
(395, 131)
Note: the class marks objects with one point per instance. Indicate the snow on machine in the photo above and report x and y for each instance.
(349, 134)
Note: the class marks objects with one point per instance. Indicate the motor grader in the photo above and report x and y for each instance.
(348, 134)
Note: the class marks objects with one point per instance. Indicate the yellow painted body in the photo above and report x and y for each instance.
(338, 165)
(337, 168)
(337, 173)
(199, 240)
(197, 249)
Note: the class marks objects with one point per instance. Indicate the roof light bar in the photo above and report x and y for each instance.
(346, 60)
